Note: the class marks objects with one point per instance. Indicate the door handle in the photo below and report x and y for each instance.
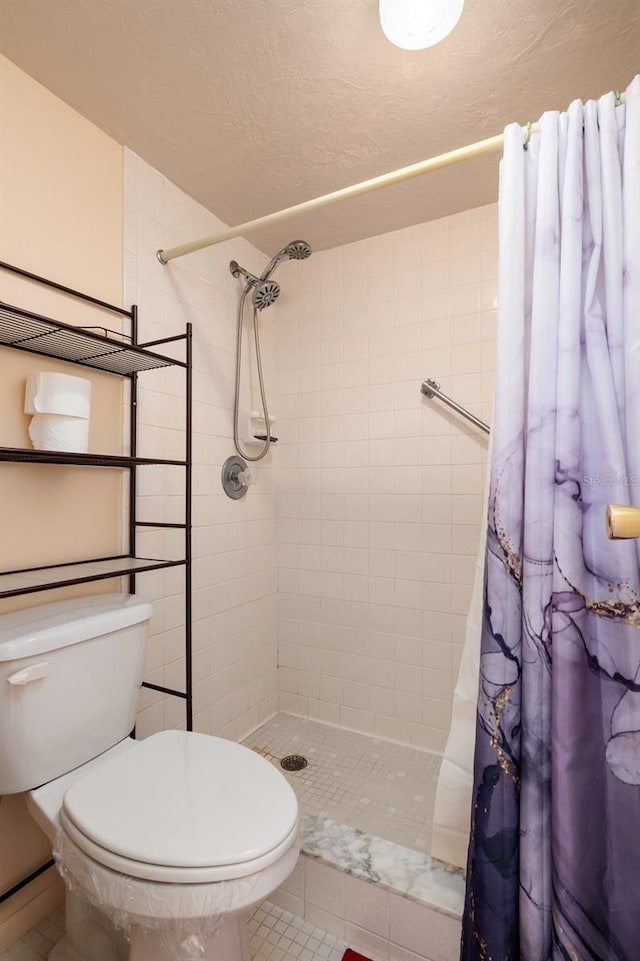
(622, 522)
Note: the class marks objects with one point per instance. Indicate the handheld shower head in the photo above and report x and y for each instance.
(296, 250)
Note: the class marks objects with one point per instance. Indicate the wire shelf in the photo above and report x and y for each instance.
(20, 455)
(42, 335)
(15, 583)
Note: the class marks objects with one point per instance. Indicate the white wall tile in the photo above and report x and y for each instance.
(235, 544)
(364, 940)
(368, 509)
(427, 933)
(325, 887)
(388, 484)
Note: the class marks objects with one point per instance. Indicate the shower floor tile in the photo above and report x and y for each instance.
(382, 788)
(274, 935)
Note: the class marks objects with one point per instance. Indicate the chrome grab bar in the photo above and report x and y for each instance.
(622, 521)
(431, 388)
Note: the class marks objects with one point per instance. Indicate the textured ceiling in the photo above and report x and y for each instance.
(253, 105)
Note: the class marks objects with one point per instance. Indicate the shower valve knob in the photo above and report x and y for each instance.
(247, 476)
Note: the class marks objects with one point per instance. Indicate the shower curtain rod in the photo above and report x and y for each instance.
(479, 149)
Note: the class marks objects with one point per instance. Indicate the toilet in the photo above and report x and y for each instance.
(165, 844)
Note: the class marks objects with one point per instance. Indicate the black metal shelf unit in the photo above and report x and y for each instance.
(19, 455)
(123, 356)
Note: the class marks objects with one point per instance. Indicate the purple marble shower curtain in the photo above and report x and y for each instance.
(554, 855)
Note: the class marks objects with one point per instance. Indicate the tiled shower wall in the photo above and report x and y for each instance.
(234, 542)
(349, 564)
(380, 489)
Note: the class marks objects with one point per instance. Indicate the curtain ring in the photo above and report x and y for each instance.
(527, 137)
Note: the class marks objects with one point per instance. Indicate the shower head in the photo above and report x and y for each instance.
(266, 291)
(265, 294)
(296, 250)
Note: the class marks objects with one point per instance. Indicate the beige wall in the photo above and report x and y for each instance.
(60, 216)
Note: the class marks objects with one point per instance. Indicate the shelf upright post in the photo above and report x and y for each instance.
(187, 521)
(133, 449)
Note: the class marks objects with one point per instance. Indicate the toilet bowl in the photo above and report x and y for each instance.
(164, 844)
(172, 839)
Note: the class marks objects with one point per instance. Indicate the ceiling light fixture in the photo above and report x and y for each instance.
(417, 24)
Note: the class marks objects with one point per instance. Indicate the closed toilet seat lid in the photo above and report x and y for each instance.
(183, 805)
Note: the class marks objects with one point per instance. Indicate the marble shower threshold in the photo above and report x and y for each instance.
(366, 807)
(394, 867)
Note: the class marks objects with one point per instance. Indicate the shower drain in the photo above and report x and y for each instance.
(293, 762)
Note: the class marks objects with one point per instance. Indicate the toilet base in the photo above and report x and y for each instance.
(231, 943)
(165, 921)
(89, 934)
(91, 937)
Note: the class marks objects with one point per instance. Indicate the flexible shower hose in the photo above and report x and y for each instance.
(263, 396)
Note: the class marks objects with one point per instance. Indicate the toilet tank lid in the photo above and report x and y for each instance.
(50, 627)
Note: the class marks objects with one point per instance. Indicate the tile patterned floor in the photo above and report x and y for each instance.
(275, 935)
(38, 942)
(385, 789)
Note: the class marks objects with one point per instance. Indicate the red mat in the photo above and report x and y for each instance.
(350, 955)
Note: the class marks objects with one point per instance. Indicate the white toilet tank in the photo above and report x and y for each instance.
(69, 678)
